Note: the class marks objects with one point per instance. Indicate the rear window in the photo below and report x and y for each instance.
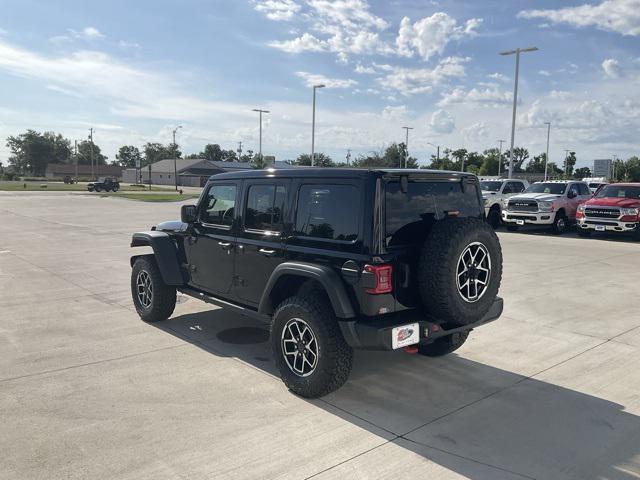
(410, 215)
(328, 212)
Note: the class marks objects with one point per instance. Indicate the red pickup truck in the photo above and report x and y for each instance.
(615, 208)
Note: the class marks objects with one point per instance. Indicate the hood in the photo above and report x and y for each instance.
(543, 197)
(171, 226)
(614, 202)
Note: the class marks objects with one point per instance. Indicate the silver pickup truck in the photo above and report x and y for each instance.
(495, 194)
(551, 203)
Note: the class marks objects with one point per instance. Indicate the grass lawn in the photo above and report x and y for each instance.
(63, 187)
(151, 197)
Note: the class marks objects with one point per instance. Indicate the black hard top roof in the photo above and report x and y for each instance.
(320, 172)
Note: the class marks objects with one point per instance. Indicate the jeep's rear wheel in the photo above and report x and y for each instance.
(309, 350)
(154, 300)
(444, 345)
(460, 270)
(494, 218)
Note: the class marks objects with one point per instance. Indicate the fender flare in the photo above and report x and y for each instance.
(165, 253)
(324, 275)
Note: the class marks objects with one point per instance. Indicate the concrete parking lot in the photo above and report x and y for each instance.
(87, 390)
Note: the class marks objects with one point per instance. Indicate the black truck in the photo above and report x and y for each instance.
(333, 259)
(104, 184)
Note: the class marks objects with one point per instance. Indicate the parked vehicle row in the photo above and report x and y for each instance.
(559, 204)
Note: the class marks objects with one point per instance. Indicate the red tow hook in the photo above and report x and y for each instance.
(410, 349)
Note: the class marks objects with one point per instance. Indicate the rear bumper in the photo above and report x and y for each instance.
(608, 225)
(375, 333)
(534, 218)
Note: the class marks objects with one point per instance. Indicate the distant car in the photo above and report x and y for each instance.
(551, 203)
(495, 194)
(615, 208)
(105, 184)
(69, 179)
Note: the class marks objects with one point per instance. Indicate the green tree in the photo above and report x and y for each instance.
(632, 169)
(127, 156)
(32, 151)
(319, 160)
(581, 173)
(392, 157)
(373, 160)
(570, 162)
(258, 162)
(84, 154)
(154, 152)
(459, 157)
(490, 161)
(536, 164)
(214, 153)
(247, 156)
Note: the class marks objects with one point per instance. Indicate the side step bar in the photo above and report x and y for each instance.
(192, 292)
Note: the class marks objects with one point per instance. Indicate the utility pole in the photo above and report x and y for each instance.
(313, 124)
(175, 155)
(438, 152)
(566, 163)
(75, 154)
(406, 146)
(348, 156)
(517, 53)
(91, 154)
(239, 151)
(546, 158)
(260, 144)
(500, 155)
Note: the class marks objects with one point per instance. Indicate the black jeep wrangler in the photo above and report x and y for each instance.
(333, 259)
(106, 184)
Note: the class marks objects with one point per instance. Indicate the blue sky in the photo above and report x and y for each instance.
(134, 70)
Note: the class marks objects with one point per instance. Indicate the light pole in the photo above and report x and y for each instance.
(437, 151)
(260, 144)
(517, 53)
(566, 163)
(500, 155)
(313, 124)
(239, 151)
(406, 146)
(91, 152)
(546, 158)
(175, 160)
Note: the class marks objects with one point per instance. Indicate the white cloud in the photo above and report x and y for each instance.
(611, 67)
(395, 113)
(304, 43)
(430, 35)
(3, 32)
(364, 70)
(315, 79)
(128, 45)
(477, 133)
(442, 122)
(490, 96)
(87, 33)
(620, 16)
(544, 73)
(500, 77)
(349, 14)
(277, 10)
(411, 81)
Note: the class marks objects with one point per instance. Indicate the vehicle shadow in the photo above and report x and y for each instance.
(470, 418)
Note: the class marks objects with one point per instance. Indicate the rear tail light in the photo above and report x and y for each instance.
(382, 276)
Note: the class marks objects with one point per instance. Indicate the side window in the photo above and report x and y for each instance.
(584, 189)
(218, 205)
(574, 188)
(328, 211)
(264, 207)
(507, 188)
(516, 187)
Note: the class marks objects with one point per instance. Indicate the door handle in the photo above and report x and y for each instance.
(225, 245)
(267, 253)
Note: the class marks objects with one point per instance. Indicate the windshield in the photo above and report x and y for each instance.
(552, 188)
(490, 186)
(619, 191)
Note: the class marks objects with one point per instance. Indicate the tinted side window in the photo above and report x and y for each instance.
(328, 211)
(516, 187)
(584, 189)
(219, 204)
(574, 188)
(264, 207)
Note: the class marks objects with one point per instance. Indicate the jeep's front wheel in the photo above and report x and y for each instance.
(154, 300)
(309, 350)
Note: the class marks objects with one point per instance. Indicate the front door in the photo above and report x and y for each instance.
(260, 242)
(210, 248)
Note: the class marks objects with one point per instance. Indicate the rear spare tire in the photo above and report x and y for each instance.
(460, 270)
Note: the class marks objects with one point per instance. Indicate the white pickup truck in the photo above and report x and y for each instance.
(495, 194)
(551, 203)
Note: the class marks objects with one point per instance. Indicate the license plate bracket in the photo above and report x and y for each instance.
(405, 335)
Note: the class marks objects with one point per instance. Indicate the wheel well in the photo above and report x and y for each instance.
(495, 206)
(291, 285)
(561, 210)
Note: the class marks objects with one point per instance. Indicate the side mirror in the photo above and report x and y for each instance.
(188, 213)
(572, 194)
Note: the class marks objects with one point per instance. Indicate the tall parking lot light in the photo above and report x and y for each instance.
(517, 53)
(500, 155)
(313, 123)
(546, 158)
(260, 143)
(406, 147)
(437, 152)
(175, 155)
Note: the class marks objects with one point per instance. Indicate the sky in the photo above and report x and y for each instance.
(135, 70)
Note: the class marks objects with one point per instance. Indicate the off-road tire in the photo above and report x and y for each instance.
(163, 298)
(98, 189)
(438, 265)
(494, 218)
(444, 345)
(335, 356)
(583, 233)
(512, 228)
(559, 224)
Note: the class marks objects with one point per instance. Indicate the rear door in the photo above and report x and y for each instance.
(260, 242)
